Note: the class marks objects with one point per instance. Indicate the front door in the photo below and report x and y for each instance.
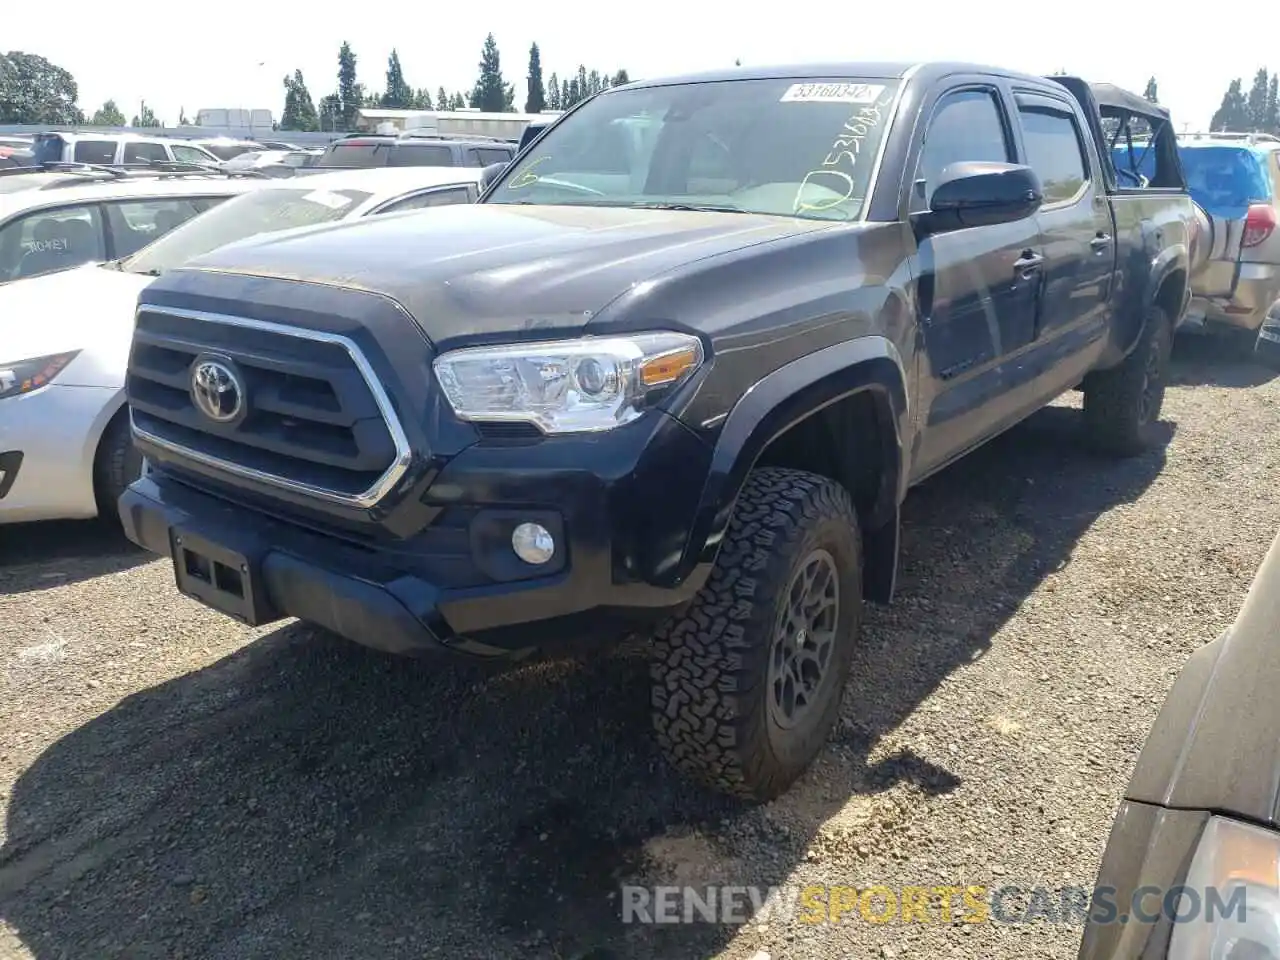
(979, 287)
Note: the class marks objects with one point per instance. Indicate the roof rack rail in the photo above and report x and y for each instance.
(1253, 137)
(121, 171)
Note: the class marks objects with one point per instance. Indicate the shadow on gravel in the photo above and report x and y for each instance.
(49, 554)
(307, 798)
(1204, 361)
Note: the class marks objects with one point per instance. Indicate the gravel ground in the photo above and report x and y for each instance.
(178, 786)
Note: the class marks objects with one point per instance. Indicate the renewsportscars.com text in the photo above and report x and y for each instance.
(1009, 904)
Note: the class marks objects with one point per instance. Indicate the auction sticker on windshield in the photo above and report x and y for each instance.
(334, 201)
(832, 93)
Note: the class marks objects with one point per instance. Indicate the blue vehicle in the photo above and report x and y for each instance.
(1235, 179)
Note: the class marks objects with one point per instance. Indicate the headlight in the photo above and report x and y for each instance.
(567, 386)
(27, 375)
(1235, 877)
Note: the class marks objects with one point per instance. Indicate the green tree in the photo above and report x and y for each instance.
(553, 93)
(574, 94)
(33, 90)
(1151, 93)
(737, 62)
(491, 93)
(442, 99)
(1232, 113)
(299, 109)
(145, 117)
(458, 102)
(328, 112)
(398, 95)
(108, 115)
(182, 118)
(350, 95)
(620, 78)
(1256, 104)
(536, 101)
(566, 95)
(583, 90)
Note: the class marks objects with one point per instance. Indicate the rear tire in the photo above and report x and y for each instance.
(747, 682)
(1122, 405)
(1240, 344)
(117, 464)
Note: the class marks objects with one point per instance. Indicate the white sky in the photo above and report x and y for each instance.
(196, 55)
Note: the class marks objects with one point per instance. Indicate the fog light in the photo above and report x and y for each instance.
(533, 543)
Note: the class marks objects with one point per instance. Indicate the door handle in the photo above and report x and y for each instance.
(1028, 263)
(1100, 242)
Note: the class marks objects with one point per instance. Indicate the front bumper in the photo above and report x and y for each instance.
(48, 439)
(456, 585)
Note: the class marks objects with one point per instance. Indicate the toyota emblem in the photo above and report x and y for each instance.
(216, 390)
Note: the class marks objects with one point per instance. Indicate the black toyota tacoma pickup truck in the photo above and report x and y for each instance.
(672, 375)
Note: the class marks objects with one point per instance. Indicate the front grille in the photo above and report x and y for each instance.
(316, 418)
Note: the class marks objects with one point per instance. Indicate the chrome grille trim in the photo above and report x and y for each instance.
(366, 498)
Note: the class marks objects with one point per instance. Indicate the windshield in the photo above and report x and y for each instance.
(781, 147)
(259, 211)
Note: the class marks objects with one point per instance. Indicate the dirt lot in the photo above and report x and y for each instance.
(178, 786)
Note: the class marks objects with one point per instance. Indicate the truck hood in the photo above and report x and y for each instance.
(88, 308)
(1213, 745)
(477, 269)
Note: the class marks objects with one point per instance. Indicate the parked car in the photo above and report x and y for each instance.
(15, 151)
(413, 150)
(117, 149)
(228, 148)
(674, 373)
(1235, 179)
(280, 163)
(63, 429)
(1200, 819)
(73, 221)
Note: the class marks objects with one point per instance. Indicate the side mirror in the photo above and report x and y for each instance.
(976, 193)
(491, 173)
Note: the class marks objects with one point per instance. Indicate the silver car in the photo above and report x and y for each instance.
(1235, 179)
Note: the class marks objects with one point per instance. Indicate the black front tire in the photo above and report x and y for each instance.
(724, 672)
(1122, 405)
(117, 465)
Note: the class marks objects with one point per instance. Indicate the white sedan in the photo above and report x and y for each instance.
(65, 448)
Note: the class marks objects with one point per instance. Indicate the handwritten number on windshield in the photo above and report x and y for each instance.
(844, 152)
(527, 177)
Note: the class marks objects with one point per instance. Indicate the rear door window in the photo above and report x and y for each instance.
(48, 240)
(142, 151)
(95, 151)
(488, 155)
(422, 155)
(136, 223)
(48, 148)
(430, 198)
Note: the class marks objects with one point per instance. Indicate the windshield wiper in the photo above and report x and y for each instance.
(701, 207)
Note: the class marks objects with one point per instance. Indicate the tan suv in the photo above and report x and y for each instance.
(1235, 179)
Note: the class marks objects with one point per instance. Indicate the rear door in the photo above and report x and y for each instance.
(1075, 219)
(1224, 179)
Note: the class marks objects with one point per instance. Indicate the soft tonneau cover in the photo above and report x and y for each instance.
(1109, 95)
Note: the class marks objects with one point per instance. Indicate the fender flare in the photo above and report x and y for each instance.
(1163, 266)
(778, 402)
